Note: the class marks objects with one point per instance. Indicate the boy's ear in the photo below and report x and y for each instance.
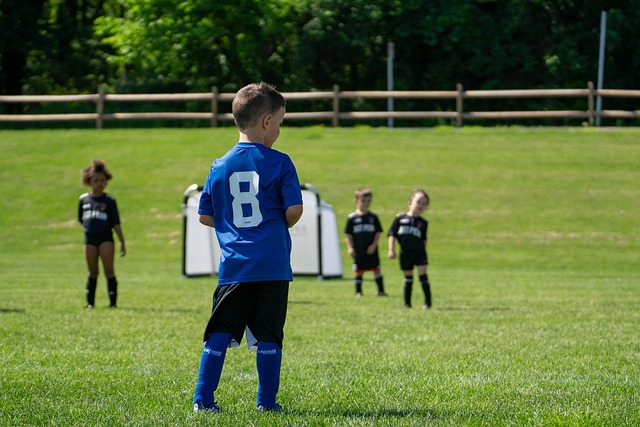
(265, 120)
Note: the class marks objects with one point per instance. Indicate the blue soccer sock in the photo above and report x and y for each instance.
(211, 364)
(268, 362)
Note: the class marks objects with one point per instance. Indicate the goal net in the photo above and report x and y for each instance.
(315, 239)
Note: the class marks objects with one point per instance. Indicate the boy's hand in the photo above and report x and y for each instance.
(392, 254)
(123, 251)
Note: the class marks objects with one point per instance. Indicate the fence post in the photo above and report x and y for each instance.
(336, 106)
(590, 97)
(100, 107)
(459, 105)
(214, 106)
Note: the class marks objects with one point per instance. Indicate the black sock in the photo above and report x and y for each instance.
(91, 290)
(408, 285)
(112, 286)
(358, 283)
(380, 283)
(424, 281)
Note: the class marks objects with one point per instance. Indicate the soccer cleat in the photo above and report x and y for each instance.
(406, 307)
(426, 307)
(199, 407)
(276, 408)
(89, 307)
(358, 294)
(382, 294)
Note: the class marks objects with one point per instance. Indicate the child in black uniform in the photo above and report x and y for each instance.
(410, 230)
(98, 214)
(363, 231)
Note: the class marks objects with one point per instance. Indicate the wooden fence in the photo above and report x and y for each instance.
(457, 113)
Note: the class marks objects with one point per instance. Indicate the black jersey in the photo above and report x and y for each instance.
(97, 214)
(363, 228)
(411, 231)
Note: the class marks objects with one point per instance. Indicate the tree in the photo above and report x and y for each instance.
(19, 21)
(50, 46)
(192, 45)
(68, 58)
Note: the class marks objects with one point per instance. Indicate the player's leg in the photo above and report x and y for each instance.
(408, 287)
(357, 281)
(426, 287)
(211, 363)
(268, 328)
(372, 263)
(229, 314)
(406, 265)
(268, 363)
(92, 257)
(379, 282)
(358, 284)
(107, 251)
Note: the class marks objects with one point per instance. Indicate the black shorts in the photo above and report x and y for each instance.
(367, 262)
(408, 260)
(261, 306)
(96, 239)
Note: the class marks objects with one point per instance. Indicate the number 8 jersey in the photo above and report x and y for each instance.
(247, 192)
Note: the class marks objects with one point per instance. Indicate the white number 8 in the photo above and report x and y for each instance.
(247, 197)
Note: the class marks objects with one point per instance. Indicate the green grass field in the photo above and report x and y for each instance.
(534, 245)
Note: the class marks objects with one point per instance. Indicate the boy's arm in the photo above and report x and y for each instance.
(206, 220)
(349, 241)
(373, 247)
(392, 247)
(293, 214)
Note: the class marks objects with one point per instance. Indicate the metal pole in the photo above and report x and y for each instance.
(390, 54)
(603, 37)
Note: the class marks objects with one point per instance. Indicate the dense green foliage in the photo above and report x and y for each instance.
(534, 242)
(159, 46)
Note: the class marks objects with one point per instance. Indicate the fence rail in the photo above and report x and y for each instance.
(335, 115)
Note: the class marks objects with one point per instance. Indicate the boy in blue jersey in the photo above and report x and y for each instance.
(251, 197)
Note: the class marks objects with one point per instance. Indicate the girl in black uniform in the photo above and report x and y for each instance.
(410, 230)
(98, 214)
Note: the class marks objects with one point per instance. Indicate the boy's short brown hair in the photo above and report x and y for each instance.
(254, 101)
(363, 191)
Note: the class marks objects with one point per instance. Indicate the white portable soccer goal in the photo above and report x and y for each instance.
(315, 239)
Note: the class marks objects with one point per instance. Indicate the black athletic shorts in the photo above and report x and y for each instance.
(408, 260)
(367, 262)
(261, 306)
(96, 239)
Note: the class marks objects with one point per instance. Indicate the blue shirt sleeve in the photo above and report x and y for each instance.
(205, 207)
(291, 193)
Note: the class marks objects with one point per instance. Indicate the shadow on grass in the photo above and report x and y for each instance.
(474, 308)
(374, 414)
(306, 302)
(148, 309)
(12, 310)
